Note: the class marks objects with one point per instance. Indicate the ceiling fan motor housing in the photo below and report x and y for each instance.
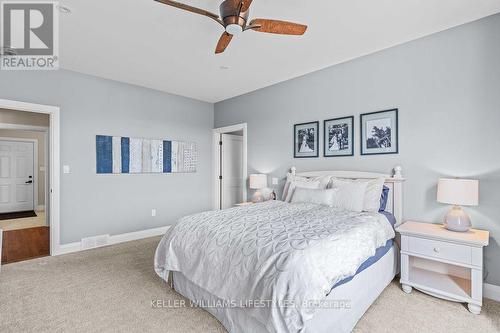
(229, 10)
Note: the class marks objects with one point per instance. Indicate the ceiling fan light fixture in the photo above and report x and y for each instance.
(234, 29)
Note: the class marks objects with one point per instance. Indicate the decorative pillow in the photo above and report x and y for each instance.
(371, 201)
(372, 194)
(317, 196)
(383, 199)
(300, 184)
(350, 195)
(290, 178)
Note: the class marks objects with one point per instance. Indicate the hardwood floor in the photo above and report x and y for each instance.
(25, 244)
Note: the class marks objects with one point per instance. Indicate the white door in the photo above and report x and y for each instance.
(16, 176)
(232, 182)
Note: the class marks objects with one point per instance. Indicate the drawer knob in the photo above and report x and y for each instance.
(436, 249)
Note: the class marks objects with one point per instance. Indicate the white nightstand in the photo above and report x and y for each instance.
(443, 263)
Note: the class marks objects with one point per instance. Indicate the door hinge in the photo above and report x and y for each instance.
(220, 177)
(220, 143)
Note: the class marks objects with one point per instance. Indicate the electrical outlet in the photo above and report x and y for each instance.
(275, 181)
(153, 212)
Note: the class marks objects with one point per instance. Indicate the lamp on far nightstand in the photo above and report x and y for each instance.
(258, 182)
(458, 192)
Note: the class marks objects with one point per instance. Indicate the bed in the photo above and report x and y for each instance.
(281, 267)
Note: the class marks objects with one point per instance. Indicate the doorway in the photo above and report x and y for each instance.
(230, 166)
(24, 191)
(17, 170)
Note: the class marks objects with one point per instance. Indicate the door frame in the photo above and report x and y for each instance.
(52, 205)
(216, 158)
(35, 165)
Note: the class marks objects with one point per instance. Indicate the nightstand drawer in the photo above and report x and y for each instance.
(441, 250)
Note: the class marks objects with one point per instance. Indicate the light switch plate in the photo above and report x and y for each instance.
(66, 169)
(275, 181)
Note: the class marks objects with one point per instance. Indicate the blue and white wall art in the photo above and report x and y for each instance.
(116, 154)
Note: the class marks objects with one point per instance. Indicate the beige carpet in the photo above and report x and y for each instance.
(111, 289)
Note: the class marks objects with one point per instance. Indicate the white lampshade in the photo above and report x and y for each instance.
(462, 192)
(258, 181)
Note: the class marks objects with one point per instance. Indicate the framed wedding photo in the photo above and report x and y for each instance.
(305, 138)
(379, 132)
(339, 137)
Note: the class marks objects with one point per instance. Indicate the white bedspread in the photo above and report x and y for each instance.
(272, 253)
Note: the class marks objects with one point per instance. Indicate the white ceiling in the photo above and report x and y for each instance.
(149, 44)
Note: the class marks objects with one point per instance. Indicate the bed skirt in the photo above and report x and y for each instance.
(346, 303)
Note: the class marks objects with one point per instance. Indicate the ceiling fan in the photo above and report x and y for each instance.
(234, 17)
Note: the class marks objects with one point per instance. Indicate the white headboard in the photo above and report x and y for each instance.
(394, 183)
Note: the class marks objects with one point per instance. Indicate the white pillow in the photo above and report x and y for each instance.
(371, 200)
(317, 196)
(350, 195)
(372, 195)
(290, 178)
(300, 184)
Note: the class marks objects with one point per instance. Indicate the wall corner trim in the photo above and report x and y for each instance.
(491, 291)
(114, 239)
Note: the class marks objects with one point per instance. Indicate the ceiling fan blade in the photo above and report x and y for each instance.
(224, 41)
(245, 5)
(191, 9)
(277, 27)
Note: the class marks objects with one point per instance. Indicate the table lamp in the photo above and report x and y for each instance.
(458, 192)
(258, 182)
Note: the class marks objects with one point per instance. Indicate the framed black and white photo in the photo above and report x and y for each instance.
(305, 138)
(339, 137)
(379, 132)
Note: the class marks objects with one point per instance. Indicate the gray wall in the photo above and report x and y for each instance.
(447, 89)
(114, 204)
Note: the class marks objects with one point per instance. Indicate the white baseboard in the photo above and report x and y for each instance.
(40, 208)
(130, 236)
(491, 291)
(114, 239)
(68, 248)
